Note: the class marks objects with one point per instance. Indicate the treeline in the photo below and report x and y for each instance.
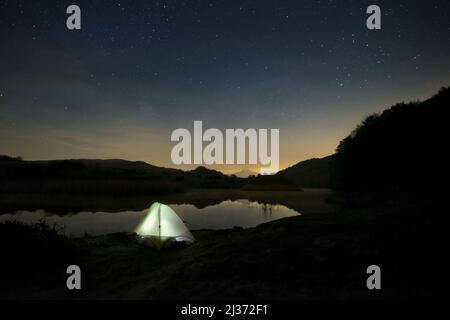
(403, 148)
(112, 177)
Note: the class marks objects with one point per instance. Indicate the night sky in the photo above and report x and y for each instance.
(139, 69)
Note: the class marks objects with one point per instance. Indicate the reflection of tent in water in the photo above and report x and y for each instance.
(162, 227)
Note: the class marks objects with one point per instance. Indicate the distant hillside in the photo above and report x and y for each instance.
(398, 149)
(104, 176)
(402, 148)
(312, 173)
(245, 173)
(120, 164)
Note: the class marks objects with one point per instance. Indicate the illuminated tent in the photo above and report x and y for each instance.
(162, 227)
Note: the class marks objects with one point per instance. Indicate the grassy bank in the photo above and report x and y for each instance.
(310, 256)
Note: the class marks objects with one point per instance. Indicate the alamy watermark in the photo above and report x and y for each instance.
(73, 21)
(374, 280)
(74, 279)
(190, 148)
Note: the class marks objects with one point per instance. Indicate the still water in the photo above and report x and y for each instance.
(227, 214)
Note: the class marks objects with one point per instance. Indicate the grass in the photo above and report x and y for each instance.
(34, 259)
(312, 256)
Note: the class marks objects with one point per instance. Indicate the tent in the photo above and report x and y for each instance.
(162, 227)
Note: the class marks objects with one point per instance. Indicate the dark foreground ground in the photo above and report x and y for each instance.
(306, 257)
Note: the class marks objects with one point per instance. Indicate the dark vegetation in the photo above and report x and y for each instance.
(33, 258)
(401, 149)
(112, 177)
(312, 173)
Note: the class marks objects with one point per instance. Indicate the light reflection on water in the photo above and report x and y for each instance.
(227, 214)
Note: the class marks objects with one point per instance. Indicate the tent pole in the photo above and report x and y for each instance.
(159, 223)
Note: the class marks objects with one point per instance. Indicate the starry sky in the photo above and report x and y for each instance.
(137, 70)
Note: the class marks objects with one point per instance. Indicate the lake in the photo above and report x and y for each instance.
(199, 210)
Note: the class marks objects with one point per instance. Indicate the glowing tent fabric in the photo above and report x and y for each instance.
(162, 227)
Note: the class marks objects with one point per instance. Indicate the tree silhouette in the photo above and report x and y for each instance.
(403, 148)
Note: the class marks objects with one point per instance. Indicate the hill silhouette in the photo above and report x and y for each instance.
(312, 173)
(245, 173)
(115, 176)
(401, 148)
